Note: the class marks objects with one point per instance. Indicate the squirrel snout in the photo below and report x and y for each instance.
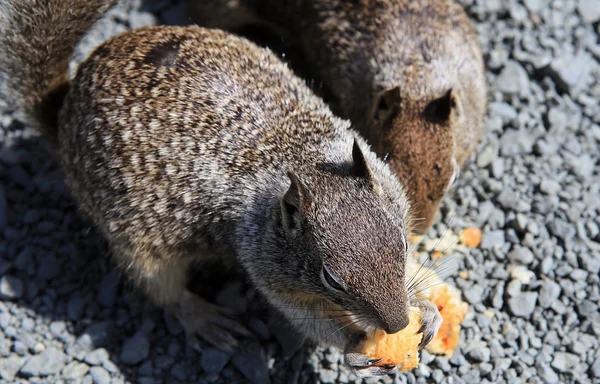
(396, 323)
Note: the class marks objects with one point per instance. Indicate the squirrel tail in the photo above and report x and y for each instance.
(37, 40)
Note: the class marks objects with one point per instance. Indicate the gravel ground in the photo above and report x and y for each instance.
(534, 188)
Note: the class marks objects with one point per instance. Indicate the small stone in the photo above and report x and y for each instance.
(9, 367)
(48, 267)
(107, 291)
(523, 304)
(562, 229)
(564, 361)
(514, 288)
(547, 374)
(521, 255)
(479, 353)
(487, 156)
(549, 293)
(97, 356)
(595, 370)
(75, 370)
(146, 369)
(570, 73)
(549, 187)
(252, 363)
(535, 6)
(521, 273)
(75, 307)
(49, 362)
(504, 111)
(513, 78)
(458, 360)
(99, 375)
(589, 10)
(591, 263)
(11, 288)
(135, 349)
(178, 371)
(492, 239)
(214, 360)
(328, 376)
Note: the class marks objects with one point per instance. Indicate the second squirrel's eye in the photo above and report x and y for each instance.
(331, 281)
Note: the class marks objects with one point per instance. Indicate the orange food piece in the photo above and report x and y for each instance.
(436, 254)
(399, 349)
(453, 311)
(471, 237)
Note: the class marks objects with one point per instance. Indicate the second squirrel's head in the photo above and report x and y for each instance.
(416, 136)
(333, 255)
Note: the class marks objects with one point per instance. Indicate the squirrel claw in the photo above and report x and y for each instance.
(210, 322)
(365, 366)
(431, 320)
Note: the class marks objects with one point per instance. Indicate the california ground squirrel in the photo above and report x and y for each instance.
(408, 73)
(185, 144)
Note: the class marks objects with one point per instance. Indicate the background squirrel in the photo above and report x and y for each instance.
(409, 74)
(185, 145)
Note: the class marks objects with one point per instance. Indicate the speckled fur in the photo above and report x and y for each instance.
(361, 48)
(177, 141)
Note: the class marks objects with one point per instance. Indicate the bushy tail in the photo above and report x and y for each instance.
(37, 39)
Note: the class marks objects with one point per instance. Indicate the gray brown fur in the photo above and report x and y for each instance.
(186, 144)
(361, 49)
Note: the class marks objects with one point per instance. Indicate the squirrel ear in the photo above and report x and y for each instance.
(387, 104)
(294, 202)
(360, 167)
(440, 109)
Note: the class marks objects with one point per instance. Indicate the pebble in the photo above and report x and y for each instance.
(570, 71)
(521, 255)
(564, 361)
(10, 366)
(49, 362)
(589, 10)
(549, 292)
(99, 375)
(107, 291)
(214, 360)
(75, 370)
(251, 362)
(97, 356)
(513, 78)
(595, 369)
(135, 349)
(522, 305)
(492, 239)
(11, 288)
(479, 352)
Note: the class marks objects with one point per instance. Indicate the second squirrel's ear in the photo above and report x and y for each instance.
(360, 167)
(387, 104)
(441, 109)
(294, 204)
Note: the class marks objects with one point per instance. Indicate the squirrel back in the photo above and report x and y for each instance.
(408, 74)
(35, 66)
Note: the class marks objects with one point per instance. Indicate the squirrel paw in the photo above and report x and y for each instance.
(431, 320)
(213, 323)
(364, 366)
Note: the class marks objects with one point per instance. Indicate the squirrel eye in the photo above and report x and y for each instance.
(331, 280)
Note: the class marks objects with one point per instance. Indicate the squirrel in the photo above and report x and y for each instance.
(186, 145)
(409, 74)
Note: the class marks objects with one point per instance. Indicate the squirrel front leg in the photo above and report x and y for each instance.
(163, 277)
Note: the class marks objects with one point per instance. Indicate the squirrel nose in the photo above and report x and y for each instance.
(398, 323)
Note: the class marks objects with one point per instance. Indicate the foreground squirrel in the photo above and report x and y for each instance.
(185, 144)
(409, 74)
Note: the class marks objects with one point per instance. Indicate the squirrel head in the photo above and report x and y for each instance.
(334, 252)
(416, 139)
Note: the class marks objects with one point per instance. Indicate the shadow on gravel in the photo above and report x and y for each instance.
(64, 304)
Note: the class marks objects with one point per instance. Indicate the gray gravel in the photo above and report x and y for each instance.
(533, 286)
